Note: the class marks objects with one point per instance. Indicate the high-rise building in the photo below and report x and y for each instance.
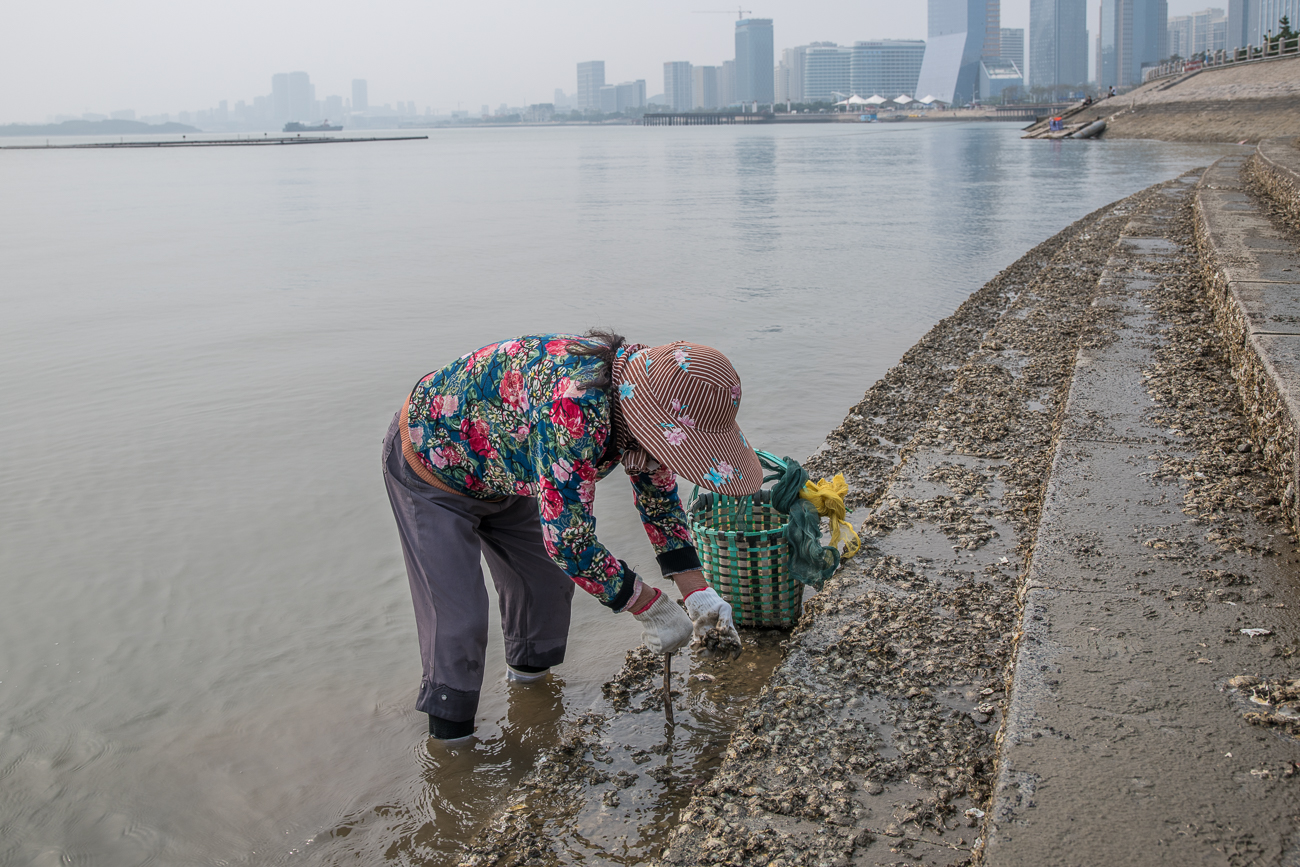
(677, 84)
(607, 98)
(958, 36)
(1058, 43)
(279, 97)
(1271, 13)
(360, 96)
(727, 84)
(992, 30)
(301, 96)
(793, 58)
(754, 60)
(1240, 22)
(1013, 46)
(781, 86)
(886, 67)
(629, 94)
(1250, 22)
(591, 78)
(827, 73)
(704, 87)
(1191, 35)
(1134, 34)
(1180, 36)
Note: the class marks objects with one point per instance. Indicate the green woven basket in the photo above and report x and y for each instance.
(742, 546)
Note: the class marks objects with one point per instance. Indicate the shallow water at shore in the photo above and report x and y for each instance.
(206, 645)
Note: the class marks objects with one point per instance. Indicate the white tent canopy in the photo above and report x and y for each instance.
(929, 100)
(857, 100)
(875, 100)
(904, 99)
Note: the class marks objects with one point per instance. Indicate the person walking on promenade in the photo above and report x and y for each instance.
(498, 454)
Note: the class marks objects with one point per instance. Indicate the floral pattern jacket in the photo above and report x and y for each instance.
(512, 419)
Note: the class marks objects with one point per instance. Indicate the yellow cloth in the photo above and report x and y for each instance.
(828, 498)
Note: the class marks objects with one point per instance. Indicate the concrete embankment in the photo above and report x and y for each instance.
(1247, 103)
(1150, 716)
(1071, 637)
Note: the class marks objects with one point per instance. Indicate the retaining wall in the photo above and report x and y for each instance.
(1253, 270)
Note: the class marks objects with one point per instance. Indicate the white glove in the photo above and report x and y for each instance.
(665, 627)
(708, 611)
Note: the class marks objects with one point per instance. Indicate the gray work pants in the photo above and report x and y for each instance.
(443, 535)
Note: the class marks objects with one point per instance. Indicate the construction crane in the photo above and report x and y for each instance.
(740, 13)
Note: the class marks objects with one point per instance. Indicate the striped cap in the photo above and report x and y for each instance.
(679, 401)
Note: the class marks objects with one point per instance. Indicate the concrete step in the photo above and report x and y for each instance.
(1161, 599)
(1254, 273)
(1276, 170)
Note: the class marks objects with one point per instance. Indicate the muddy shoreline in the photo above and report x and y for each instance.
(875, 740)
(867, 447)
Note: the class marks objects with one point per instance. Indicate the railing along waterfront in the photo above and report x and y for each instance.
(1249, 54)
(704, 118)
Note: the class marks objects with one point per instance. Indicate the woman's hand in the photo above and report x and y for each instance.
(665, 627)
(709, 611)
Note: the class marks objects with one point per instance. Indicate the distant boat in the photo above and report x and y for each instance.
(294, 126)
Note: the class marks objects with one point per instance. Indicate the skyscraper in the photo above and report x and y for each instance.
(704, 87)
(826, 73)
(1271, 12)
(279, 97)
(992, 30)
(591, 78)
(1209, 31)
(1243, 23)
(727, 83)
(1180, 36)
(1058, 43)
(629, 94)
(360, 95)
(754, 60)
(1134, 33)
(301, 96)
(1250, 22)
(1013, 46)
(607, 98)
(793, 58)
(677, 84)
(958, 36)
(888, 67)
(781, 88)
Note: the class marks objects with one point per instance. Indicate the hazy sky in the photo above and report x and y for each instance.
(165, 56)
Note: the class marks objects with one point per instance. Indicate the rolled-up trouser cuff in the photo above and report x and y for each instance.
(527, 653)
(678, 560)
(447, 730)
(442, 701)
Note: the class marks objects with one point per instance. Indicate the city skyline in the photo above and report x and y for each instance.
(82, 57)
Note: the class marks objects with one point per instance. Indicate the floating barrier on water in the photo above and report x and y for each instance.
(215, 142)
(1092, 130)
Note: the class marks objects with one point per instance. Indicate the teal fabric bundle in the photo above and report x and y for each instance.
(811, 562)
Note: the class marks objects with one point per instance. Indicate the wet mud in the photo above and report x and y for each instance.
(892, 685)
(875, 740)
(614, 786)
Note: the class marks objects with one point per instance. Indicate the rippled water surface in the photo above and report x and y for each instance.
(207, 653)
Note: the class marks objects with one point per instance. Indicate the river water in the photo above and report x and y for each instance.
(207, 653)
